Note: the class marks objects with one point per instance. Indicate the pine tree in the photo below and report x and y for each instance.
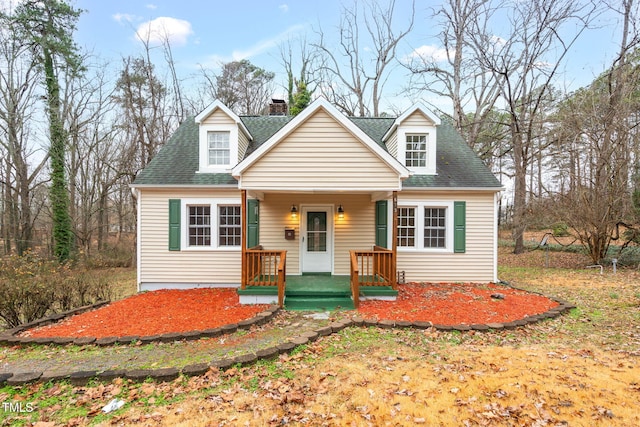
(49, 26)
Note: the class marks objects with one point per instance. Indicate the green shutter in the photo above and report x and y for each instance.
(253, 221)
(174, 224)
(459, 223)
(381, 223)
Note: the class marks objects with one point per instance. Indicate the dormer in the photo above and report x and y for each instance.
(412, 140)
(222, 139)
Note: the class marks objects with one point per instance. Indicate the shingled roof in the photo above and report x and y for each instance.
(176, 164)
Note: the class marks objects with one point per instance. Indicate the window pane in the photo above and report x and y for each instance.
(316, 231)
(218, 146)
(406, 227)
(416, 150)
(435, 227)
(229, 226)
(200, 225)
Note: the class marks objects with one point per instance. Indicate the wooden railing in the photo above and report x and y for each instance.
(265, 268)
(372, 268)
(355, 279)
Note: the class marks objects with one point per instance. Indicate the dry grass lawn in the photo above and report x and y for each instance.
(582, 369)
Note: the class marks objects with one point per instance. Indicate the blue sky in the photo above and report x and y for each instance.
(207, 32)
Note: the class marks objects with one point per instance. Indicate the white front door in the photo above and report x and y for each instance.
(317, 239)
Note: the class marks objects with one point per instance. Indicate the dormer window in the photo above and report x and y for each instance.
(416, 151)
(412, 140)
(417, 148)
(222, 139)
(219, 150)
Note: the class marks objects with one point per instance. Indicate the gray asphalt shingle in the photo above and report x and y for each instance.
(177, 162)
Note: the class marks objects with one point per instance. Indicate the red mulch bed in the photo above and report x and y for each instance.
(455, 303)
(166, 311)
(157, 312)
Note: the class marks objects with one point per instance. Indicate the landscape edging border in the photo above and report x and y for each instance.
(81, 378)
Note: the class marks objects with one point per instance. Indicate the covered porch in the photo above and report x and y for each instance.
(308, 253)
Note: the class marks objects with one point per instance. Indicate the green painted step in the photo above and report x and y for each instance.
(317, 303)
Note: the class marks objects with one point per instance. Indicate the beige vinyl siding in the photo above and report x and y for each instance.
(476, 264)
(320, 155)
(392, 145)
(243, 144)
(417, 119)
(218, 117)
(159, 265)
(355, 231)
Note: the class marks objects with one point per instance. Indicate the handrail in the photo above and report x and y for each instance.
(265, 268)
(355, 279)
(375, 268)
(282, 274)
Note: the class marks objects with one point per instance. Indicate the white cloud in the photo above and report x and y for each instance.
(123, 18)
(284, 8)
(264, 45)
(498, 41)
(151, 6)
(428, 53)
(176, 31)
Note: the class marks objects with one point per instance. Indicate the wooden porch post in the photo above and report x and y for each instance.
(243, 234)
(394, 241)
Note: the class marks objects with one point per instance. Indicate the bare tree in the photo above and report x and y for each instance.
(454, 72)
(300, 85)
(21, 168)
(522, 61)
(598, 127)
(356, 85)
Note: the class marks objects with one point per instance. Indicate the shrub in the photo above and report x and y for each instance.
(629, 257)
(560, 229)
(26, 288)
(31, 288)
(119, 255)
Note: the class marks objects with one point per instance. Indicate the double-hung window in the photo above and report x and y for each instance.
(211, 224)
(416, 151)
(199, 225)
(229, 223)
(219, 153)
(424, 226)
(435, 230)
(406, 227)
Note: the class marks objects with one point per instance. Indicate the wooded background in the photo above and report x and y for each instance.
(75, 131)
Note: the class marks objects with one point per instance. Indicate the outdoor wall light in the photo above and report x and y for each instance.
(340, 212)
(294, 212)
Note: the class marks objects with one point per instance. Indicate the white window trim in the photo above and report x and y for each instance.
(419, 236)
(184, 226)
(204, 129)
(430, 132)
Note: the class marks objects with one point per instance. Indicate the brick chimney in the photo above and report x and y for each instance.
(278, 107)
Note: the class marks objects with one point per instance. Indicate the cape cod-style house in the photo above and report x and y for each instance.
(319, 209)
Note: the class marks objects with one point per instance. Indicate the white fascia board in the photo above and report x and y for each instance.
(190, 186)
(213, 107)
(417, 107)
(483, 189)
(301, 118)
(314, 190)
